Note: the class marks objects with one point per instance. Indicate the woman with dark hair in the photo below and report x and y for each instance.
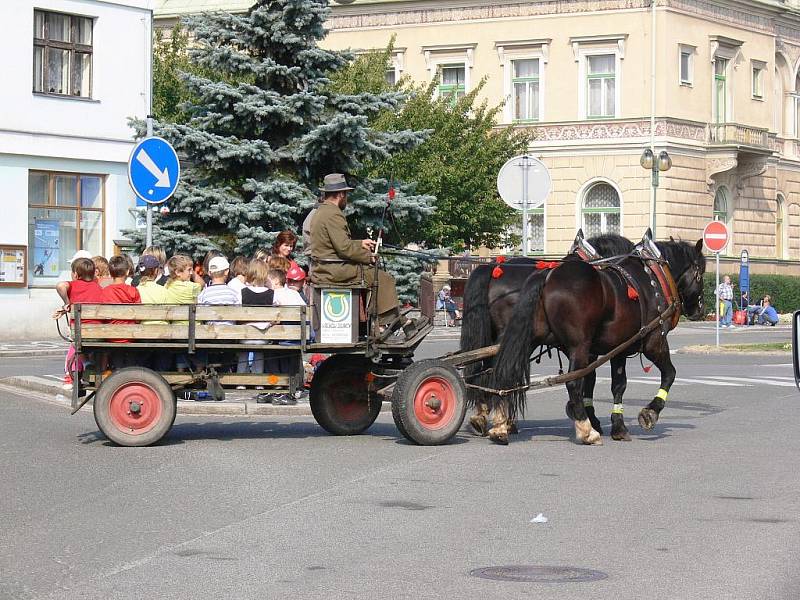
(284, 246)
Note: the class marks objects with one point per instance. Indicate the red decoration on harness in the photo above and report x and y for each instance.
(543, 264)
(632, 293)
(647, 368)
(497, 273)
(500, 259)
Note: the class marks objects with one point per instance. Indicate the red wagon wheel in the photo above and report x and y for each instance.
(341, 399)
(428, 402)
(134, 407)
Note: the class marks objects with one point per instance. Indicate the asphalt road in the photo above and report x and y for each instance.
(705, 507)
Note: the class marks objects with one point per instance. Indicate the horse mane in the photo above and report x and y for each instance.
(681, 255)
(611, 244)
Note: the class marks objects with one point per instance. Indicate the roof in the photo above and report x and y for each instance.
(174, 8)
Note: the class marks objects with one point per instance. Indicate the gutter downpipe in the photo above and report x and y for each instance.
(653, 111)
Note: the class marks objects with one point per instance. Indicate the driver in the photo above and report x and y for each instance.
(338, 259)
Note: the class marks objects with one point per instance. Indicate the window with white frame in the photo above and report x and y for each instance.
(601, 78)
(599, 59)
(525, 91)
(600, 210)
(757, 69)
(536, 230)
(453, 81)
(686, 64)
(725, 53)
(62, 54)
(452, 65)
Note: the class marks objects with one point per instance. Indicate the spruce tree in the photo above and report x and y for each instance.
(266, 127)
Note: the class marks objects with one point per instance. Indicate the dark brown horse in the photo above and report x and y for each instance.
(587, 311)
(488, 308)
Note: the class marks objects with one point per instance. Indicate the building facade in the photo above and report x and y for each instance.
(80, 70)
(714, 83)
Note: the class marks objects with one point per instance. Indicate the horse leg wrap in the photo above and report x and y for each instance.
(662, 394)
(588, 402)
(616, 409)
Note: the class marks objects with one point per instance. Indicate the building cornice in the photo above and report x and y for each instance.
(763, 16)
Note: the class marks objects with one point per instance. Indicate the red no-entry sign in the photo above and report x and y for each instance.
(716, 236)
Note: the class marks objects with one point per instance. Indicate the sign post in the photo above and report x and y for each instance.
(744, 280)
(524, 184)
(715, 238)
(153, 173)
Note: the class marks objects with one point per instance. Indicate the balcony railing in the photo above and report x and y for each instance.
(740, 135)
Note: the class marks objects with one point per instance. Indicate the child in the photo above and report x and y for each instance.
(239, 275)
(284, 295)
(217, 292)
(183, 287)
(256, 293)
(158, 253)
(120, 292)
(296, 280)
(150, 272)
(101, 272)
(279, 263)
(83, 289)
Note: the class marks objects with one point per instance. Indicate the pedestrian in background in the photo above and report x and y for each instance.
(725, 300)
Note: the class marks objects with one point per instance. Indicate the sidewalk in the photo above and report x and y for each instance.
(236, 402)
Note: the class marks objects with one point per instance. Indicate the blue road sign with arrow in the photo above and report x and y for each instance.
(154, 170)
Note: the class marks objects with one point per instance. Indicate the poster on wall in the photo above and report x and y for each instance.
(12, 266)
(47, 247)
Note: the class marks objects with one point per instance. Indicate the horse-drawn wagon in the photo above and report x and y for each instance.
(134, 400)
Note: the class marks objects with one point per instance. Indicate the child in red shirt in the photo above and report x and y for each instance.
(83, 289)
(119, 292)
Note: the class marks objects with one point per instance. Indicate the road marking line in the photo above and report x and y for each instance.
(762, 381)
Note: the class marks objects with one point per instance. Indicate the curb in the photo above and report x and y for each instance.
(240, 408)
(45, 352)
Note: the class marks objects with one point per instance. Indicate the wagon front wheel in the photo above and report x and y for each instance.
(341, 399)
(429, 402)
(134, 407)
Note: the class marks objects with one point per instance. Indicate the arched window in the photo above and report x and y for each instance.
(721, 205)
(781, 241)
(600, 210)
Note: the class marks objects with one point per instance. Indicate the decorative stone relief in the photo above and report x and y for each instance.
(716, 166)
(619, 130)
(750, 168)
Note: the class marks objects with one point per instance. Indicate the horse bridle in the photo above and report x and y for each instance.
(698, 277)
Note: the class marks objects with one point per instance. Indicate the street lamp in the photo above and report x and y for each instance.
(655, 165)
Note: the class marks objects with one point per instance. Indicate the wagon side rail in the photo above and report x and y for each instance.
(189, 327)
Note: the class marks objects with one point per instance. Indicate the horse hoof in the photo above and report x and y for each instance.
(513, 429)
(593, 439)
(596, 425)
(620, 436)
(648, 418)
(478, 426)
(499, 438)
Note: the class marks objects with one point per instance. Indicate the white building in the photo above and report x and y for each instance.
(75, 72)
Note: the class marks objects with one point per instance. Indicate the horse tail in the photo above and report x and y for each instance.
(476, 329)
(512, 363)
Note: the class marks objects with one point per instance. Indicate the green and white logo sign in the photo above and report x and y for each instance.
(336, 317)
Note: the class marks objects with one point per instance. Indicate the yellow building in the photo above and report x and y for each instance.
(714, 83)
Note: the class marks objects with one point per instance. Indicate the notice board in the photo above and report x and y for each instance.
(13, 266)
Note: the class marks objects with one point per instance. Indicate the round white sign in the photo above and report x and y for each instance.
(521, 175)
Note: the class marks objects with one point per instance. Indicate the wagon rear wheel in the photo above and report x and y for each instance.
(428, 402)
(134, 407)
(340, 397)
